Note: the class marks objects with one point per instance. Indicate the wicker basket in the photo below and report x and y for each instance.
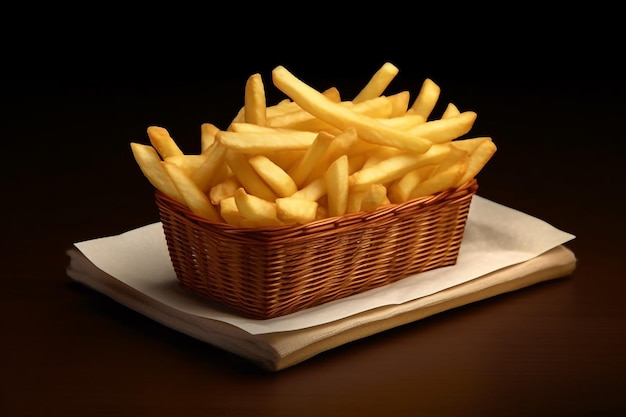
(269, 272)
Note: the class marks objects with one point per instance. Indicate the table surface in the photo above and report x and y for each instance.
(557, 348)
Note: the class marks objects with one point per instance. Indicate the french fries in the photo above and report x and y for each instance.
(314, 155)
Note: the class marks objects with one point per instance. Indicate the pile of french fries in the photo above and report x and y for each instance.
(315, 155)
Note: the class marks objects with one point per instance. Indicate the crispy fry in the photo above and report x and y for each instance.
(254, 100)
(207, 135)
(336, 178)
(478, 158)
(396, 166)
(273, 175)
(205, 175)
(196, 199)
(224, 189)
(342, 117)
(426, 99)
(374, 197)
(450, 111)
(163, 142)
(445, 130)
(378, 83)
(301, 170)
(150, 164)
(400, 190)
(292, 210)
(247, 176)
(261, 212)
(270, 141)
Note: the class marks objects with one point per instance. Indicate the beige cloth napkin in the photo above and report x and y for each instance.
(280, 350)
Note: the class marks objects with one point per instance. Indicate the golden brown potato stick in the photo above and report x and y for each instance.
(273, 175)
(445, 130)
(337, 147)
(313, 191)
(478, 158)
(292, 210)
(261, 212)
(207, 135)
(189, 163)
(378, 83)
(301, 170)
(247, 176)
(426, 99)
(162, 141)
(196, 199)
(342, 117)
(394, 167)
(268, 141)
(450, 111)
(400, 190)
(254, 100)
(443, 180)
(150, 165)
(223, 190)
(374, 197)
(230, 212)
(205, 175)
(337, 186)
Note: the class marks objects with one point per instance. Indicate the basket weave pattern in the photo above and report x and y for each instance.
(269, 272)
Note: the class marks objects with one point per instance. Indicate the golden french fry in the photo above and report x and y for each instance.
(162, 141)
(404, 122)
(273, 175)
(292, 210)
(400, 190)
(399, 103)
(261, 212)
(231, 214)
(374, 197)
(207, 135)
(342, 117)
(456, 156)
(269, 141)
(196, 199)
(380, 154)
(450, 111)
(378, 83)
(150, 165)
(254, 100)
(247, 176)
(337, 147)
(471, 144)
(301, 170)
(224, 189)
(477, 159)
(426, 99)
(378, 107)
(448, 178)
(189, 163)
(332, 93)
(206, 173)
(337, 186)
(397, 166)
(313, 191)
(445, 130)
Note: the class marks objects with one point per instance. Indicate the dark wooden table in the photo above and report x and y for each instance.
(553, 349)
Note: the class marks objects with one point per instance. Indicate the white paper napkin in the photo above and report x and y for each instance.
(495, 237)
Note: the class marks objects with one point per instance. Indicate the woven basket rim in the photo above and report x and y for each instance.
(469, 187)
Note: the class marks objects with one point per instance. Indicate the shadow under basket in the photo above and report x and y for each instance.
(268, 272)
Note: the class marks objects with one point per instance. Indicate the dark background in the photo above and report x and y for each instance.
(548, 89)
